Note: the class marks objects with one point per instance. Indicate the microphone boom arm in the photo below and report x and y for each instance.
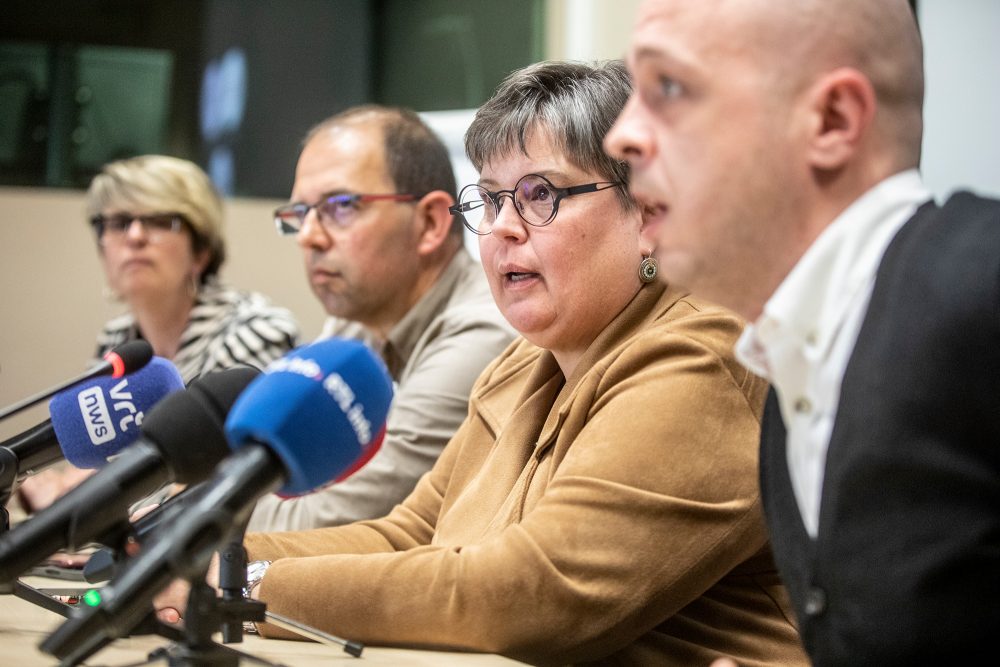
(223, 503)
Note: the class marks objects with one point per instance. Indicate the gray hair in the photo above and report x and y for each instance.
(575, 103)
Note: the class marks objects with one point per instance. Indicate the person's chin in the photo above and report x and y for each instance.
(528, 319)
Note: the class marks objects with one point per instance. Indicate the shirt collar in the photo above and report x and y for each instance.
(811, 302)
(403, 337)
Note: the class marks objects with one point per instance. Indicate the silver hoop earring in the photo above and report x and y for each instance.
(647, 269)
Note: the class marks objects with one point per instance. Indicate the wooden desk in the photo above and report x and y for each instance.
(24, 625)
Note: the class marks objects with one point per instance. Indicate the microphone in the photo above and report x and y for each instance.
(321, 409)
(104, 563)
(309, 418)
(95, 420)
(32, 450)
(126, 358)
(182, 440)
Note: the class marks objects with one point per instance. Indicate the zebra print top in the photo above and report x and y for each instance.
(226, 328)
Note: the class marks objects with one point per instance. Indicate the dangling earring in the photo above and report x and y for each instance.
(110, 295)
(647, 269)
(193, 287)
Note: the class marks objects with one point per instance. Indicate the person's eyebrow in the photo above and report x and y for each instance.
(553, 174)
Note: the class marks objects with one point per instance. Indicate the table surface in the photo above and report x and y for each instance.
(24, 625)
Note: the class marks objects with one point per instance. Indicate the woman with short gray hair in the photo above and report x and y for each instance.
(600, 501)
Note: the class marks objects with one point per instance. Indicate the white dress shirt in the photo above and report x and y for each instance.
(806, 333)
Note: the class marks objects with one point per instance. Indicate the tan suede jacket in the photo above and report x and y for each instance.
(611, 516)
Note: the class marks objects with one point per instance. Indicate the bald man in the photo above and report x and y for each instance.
(775, 146)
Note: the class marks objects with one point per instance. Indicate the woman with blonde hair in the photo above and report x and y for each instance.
(158, 225)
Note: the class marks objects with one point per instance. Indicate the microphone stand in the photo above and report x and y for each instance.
(232, 583)
(217, 516)
(208, 613)
(204, 615)
(8, 478)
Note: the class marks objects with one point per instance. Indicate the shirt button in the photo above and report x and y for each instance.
(815, 601)
(811, 338)
(802, 405)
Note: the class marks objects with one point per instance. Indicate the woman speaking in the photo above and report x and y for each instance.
(600, 501)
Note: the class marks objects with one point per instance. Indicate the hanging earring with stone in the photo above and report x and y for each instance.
(647, 269)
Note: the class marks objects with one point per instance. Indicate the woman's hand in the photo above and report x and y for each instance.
(171, 602)
(39, 491)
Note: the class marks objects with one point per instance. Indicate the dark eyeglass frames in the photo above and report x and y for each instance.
(535, 199)
(113, 228)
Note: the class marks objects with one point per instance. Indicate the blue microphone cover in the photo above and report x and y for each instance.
(98, 418)
(321, 408)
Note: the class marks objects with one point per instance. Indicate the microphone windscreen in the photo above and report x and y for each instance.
(129, 357)
(188, 427)
(321, 408)
(96, 419)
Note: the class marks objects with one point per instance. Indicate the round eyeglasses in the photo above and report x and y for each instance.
(113, 228)
(334, 211)
(535, 199)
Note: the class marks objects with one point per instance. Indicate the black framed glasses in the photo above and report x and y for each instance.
(113, 228)
(335, 211)
(535, 199)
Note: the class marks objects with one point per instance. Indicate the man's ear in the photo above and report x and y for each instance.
(434, 220)
(842, 106)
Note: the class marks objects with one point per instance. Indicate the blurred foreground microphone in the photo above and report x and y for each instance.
(93, 421)
(307, 420)
(182, 441)
(126, 358)
(320, 409)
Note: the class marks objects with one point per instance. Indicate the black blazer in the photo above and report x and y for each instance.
(905, 569)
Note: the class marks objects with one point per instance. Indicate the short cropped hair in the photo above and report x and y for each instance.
(416, 159)
(575, 103)
(164, 184)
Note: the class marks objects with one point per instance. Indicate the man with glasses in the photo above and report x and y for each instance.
(383, 254)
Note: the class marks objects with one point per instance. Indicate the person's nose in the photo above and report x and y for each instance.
(136, 232)
(508, 223)
(629, 138)
(312, 234)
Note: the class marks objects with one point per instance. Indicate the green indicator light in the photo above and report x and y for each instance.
(92, 598)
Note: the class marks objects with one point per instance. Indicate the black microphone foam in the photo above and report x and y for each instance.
(131, 356)
(182, 440)
(125, 358)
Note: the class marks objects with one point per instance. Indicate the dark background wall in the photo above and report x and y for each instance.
(233, 84)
